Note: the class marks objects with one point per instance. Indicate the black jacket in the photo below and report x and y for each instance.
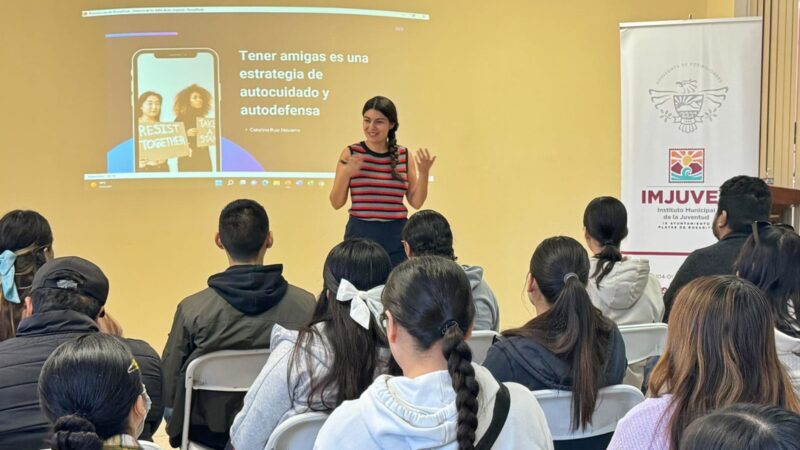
(522, 360)
(716, 259)
(23, 426)
(236, 312)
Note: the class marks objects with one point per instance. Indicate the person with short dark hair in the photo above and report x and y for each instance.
(235, 312)
(67, 296)
(742, 201)
(428, 232)
(744, 426)
(91, 412)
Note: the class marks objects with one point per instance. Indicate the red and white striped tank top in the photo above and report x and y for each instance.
(375, 194)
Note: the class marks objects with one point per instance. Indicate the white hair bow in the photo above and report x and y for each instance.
(362, 303)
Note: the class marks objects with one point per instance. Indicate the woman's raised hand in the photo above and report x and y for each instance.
(424, 161)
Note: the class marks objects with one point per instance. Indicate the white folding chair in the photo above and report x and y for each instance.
(223, 371)
(146, 445)
(643, 341)
(613, 402)
(297, 432)
(479, 343)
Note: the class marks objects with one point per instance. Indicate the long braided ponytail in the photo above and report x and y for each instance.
(430, 297)
(459, 358)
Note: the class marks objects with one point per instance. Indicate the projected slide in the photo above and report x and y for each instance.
(223, 92)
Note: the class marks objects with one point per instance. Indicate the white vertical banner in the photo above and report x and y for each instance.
(691, 99)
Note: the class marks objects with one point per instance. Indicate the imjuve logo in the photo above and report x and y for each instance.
(686, 104)
(687, 165)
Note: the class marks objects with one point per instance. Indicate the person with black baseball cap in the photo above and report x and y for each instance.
(67, 296)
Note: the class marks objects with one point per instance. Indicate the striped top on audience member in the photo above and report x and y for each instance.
(375, 193)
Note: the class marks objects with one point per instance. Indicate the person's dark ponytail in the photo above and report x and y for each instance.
(431, 298)
(572, 329)
(606, 221)
(74, 433)
(459, 359)
(608, 256)
(575, 307)
(87, 389)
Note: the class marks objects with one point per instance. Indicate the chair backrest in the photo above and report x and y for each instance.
(224, 371)
(297, 432)
(146, 445)
(643, 341)
(613, 402)
(479, 343)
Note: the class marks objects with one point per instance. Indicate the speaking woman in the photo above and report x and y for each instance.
(378, 173)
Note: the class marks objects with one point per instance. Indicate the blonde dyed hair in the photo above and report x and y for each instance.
(720, 350)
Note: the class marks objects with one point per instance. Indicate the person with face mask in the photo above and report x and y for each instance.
(91, 390)
(66, 298)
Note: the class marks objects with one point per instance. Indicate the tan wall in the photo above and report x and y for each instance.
(718, 9)
(525, 122)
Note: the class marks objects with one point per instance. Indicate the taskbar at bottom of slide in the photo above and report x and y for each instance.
(203, 179)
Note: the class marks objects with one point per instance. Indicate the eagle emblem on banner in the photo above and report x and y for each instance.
(688, 106)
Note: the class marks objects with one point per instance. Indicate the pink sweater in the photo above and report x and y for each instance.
(644, 427)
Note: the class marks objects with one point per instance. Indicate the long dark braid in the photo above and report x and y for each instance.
(430, 297)
(459, 358)
(394, 153)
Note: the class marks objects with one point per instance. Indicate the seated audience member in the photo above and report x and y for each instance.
(621, 287)
(235, 312)
(744, 426)
(428, 233)
(770, 259)
(67, 296)
(569, 345)
(334, 358)
(150, 363)
(443, 400)
(108, 325)
(742, 201)
(26, 243)
(720, 350)
(91, 390)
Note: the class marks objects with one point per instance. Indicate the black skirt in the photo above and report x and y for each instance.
(386, 234)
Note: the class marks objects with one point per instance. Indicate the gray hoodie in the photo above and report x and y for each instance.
(268, 402)
(629, 294)
(402, 413)
(487, 314)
